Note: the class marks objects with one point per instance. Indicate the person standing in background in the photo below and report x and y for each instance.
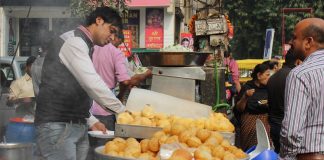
(231, 64)
(276, 93)
(302, 132)
(22, 88)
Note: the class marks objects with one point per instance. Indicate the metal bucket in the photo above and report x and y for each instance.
(16, 151)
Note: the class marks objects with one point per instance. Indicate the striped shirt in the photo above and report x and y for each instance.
(303, 125)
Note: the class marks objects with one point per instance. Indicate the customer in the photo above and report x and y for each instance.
(252, 105)
(21, 90)
(276, 92)
(68, 81)
(302, 132)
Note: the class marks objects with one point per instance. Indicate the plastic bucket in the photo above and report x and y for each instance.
(20, 132)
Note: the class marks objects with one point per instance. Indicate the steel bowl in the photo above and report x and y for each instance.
(173, 58)
(16, 151)
(100, 156)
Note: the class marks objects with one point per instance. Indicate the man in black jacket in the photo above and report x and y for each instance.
(68, 83)
(276, 92)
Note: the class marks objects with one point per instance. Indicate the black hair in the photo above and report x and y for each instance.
(314, 31)
(108, 14)
(290, 59)
(271, 64)
(30, 60)
(184, 39)
(260, 68)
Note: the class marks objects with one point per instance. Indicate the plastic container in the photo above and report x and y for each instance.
(20, 132)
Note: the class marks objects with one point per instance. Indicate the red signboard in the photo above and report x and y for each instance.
(149, 3)
(127, 43)
(154, 38)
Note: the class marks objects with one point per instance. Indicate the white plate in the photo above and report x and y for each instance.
(100, 134)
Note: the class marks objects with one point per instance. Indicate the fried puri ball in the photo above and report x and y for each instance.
(124, 118)
(176, 129)
(181, 154)
(158, 134)
(239, 153)
(154, 145)
(193, 142)
(229, 156)
(218, 151)
(172, 139)
(112, 153)
(201, 154)
(165, 124)
(218, 136)
(121, 143)
(226, 145)
(184, 136)
(163, 139)
(146, 121)
(132, 151)
(203, 134)
(144, 145)
(148, 111)
(111, 146)
(160, 116)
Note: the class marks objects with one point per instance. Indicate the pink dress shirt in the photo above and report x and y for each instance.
(110, 64)
(233, 67)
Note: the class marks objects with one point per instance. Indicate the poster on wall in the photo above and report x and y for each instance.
(186, 40)
(154, 28)
(131, 21)
(126, 47)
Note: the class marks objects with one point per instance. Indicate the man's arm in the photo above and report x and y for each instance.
(74, 55)
(297, 101)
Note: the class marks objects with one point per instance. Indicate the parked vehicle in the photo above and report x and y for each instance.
(246, 67)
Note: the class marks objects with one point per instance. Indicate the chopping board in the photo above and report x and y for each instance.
(163, 103)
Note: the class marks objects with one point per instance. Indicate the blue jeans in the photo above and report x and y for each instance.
(62, 141)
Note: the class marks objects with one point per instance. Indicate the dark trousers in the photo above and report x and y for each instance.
(109, 122)
(275, 136)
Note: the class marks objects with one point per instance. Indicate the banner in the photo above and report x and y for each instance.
(131, 20)
(126, 47)
(154, 28)
(268, 43)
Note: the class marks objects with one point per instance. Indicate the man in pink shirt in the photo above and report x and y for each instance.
(110, 64)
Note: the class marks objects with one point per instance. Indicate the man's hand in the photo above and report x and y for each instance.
(99, 127)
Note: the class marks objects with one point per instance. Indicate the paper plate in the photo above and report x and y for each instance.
(100, 134)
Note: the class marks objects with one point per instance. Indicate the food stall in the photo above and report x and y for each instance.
(157, 125)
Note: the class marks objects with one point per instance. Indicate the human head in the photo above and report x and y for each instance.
(29, 63)
(273, 65)
(261, 74)
(155, 18)
(185, 42)
(118, 38)
(290, 59)
(308, 37)
(102, 23)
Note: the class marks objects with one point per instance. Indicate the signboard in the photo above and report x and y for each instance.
(126, 47)
(131, 20)
(154, 38)
(154, 28)
(211, 26)
(267, 53)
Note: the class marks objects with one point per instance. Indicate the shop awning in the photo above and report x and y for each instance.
(149, 3)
